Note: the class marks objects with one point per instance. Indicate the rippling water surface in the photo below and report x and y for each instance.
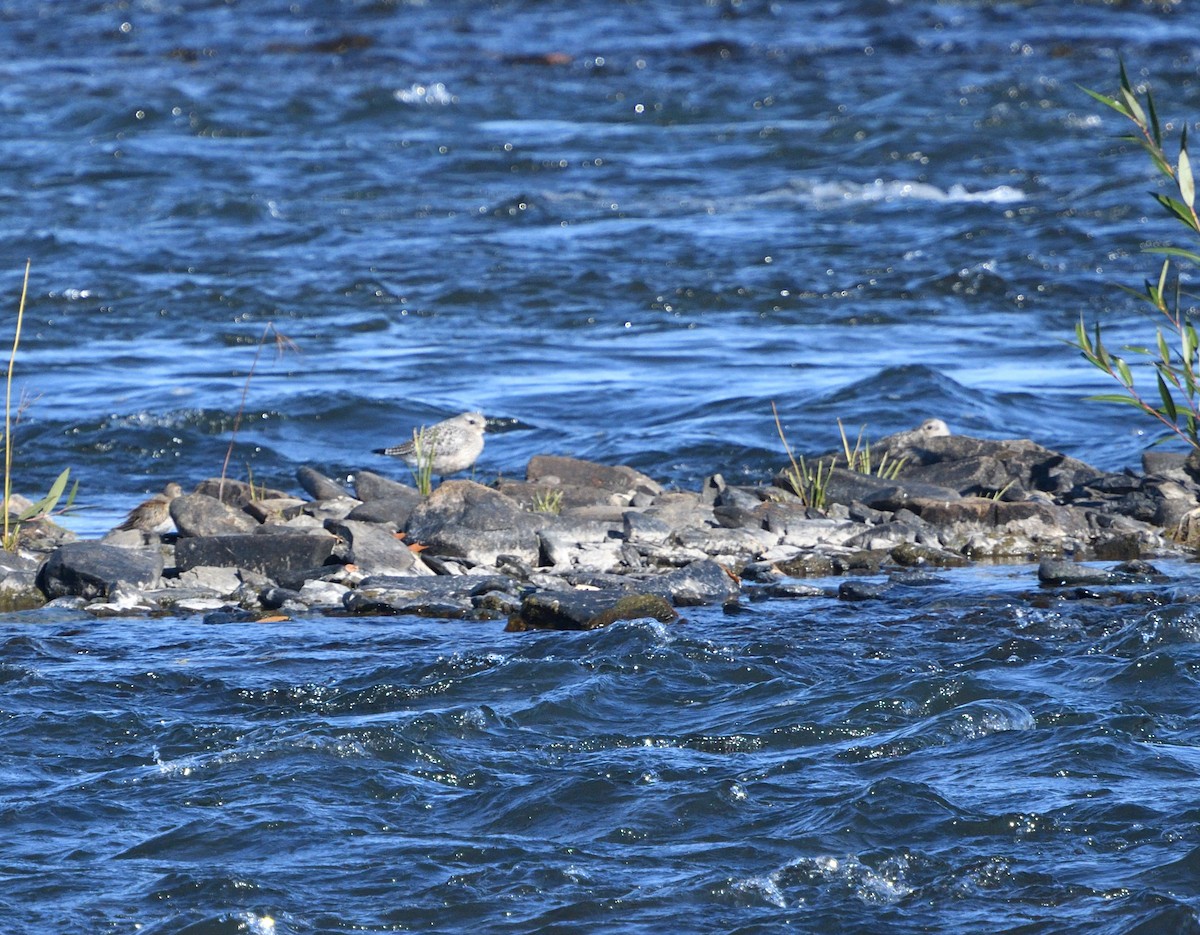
(621, 230)
(964, 758)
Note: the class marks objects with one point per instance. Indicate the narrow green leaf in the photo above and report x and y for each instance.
(1123, 372)
(1135, 109)
(1187, 184)
(1168, 400)
(1164, 352)
(1081, 338)
(1117, 398)
(1106, 101)
(1177, 208)
(48, 502)
(1143, 295)
(1162, 278)
(1154, 120)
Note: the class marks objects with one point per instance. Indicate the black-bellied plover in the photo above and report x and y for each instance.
(154, 515)
(446, 447)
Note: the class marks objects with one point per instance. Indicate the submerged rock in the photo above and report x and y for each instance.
(587, 610)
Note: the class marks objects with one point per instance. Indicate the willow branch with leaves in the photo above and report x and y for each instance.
(1175, 356)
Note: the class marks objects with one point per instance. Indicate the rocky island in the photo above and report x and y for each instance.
(578, 545)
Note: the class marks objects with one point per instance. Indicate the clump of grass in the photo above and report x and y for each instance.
(257, 492)
(859, 458)
(10, 536)
(808, 483)
(424, 448)
(282, 344)
(1175, 356)
(548, 500)
(999, 494)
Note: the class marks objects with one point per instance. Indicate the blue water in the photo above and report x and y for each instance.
(956, 759)
(621, 230)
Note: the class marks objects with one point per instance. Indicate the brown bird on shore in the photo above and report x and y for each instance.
(154, 514)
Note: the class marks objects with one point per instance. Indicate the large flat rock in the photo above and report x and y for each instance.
(92, 569)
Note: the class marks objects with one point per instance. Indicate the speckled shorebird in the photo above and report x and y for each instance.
(453, 444)
(154, 514)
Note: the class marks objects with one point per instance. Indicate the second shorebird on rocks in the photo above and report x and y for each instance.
(449, 446)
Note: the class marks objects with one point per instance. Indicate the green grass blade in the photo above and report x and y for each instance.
(48, 502)
(1176, 251)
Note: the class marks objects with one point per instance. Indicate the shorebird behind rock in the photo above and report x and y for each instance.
(446, 447)
(930, 428)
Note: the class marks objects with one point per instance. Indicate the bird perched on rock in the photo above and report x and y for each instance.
(155, 513)
(446, 447)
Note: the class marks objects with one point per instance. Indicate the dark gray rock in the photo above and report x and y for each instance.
(910, 554)
(373, 547)
(700, 582)
(273, 556)
(587, 610)
(793, 589)
(91, 570)
(574, 472)
(734, 516)
(43, 534)
(237, 493)
(464, 519)
(396, 510)
(680, 509)
(371, 486)
(1063, 573)
(201, 515)
(861, 591)
(638, 527)
(915, 578)
(275, 598)
(556, 497)
(318, 486)
(862, 562)
(336, 508)
(975, 466)
(425, 596)
(807, 565)
(1164, 462)
(274, 509)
